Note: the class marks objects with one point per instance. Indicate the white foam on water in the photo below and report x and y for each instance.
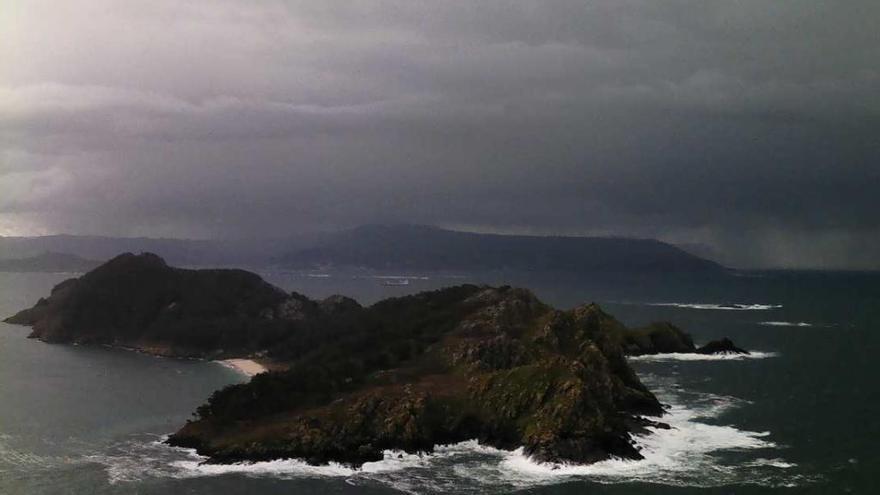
(681, 455)
(135, 461)
(293, 467)
(138, 461)
(394, 460)
(720, 307)
(690, 453)
(785, 324)
(775, 463)
(693, 356)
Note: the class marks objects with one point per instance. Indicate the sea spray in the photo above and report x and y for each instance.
(720, 307)
(693, 356)
(687, 454)
(785, 324)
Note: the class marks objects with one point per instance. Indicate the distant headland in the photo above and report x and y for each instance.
(49, 262)
(393, 247)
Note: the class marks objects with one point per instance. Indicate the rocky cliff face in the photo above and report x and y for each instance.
(407, 373)
(466, 362)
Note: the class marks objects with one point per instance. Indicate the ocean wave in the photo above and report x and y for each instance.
(720, 307)
(681, 455)
(14, 459)
(197, 467)
(774, 463)
(785, 324)
(693, 356)
(690, 453)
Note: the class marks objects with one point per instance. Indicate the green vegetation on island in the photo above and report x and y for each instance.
(408, 373)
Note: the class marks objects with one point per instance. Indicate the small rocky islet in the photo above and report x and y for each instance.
(349, 382)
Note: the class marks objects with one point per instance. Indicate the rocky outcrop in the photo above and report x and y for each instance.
(664, 337)
(657, 338)
(723, 346)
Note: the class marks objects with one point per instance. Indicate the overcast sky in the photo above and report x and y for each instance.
(752, 127)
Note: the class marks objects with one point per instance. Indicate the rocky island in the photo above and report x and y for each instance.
(408, 373)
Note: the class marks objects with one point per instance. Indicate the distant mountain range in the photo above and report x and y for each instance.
(419, 247)
(178, 251)
(382, 247)
(49, 262)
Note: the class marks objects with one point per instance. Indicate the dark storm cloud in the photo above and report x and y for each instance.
(748, 126)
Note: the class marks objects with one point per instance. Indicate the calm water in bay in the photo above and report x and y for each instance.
(800, 416)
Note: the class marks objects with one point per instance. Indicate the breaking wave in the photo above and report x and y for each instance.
(785, 324)
(692, 452)
(693, 356)
(721, 307)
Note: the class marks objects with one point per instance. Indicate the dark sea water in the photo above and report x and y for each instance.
(799, 416)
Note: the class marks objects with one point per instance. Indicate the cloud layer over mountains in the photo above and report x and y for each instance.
(748, 126)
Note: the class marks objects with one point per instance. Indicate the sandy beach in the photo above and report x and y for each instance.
(248, 367)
